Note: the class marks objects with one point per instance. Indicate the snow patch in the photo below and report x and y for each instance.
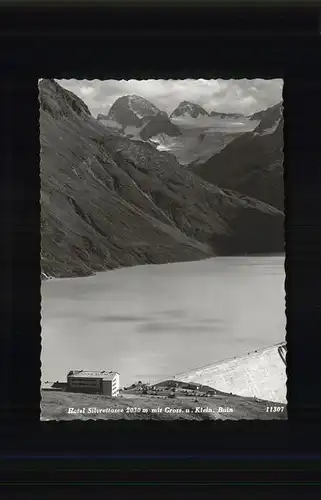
(236, 124)
(47, 277)
(163, 142)
(110, 123)
(162, 139)
(272, 129)
(133, 132)
(141, 108)
(209, 121)
(131, 107)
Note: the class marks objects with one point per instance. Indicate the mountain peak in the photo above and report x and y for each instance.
(190, 109)
(252, 163)
(133, 110)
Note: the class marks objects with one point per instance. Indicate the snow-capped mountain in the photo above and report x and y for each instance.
(138, 119)
(252, 163)
(133, 110)
(191, 134)
(190, 109)
(108, 201)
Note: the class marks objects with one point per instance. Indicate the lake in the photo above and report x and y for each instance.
(154, 321)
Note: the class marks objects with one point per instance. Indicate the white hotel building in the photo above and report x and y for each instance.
(93, 382)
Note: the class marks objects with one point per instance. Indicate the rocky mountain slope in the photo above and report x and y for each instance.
(108, 201)
(269, 115)
(112, 125)
(159, 124)
(190, 109)
(252, 163)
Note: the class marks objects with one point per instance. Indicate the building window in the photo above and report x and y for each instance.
(90, 383)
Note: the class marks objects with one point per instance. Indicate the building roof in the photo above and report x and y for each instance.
(103, 374)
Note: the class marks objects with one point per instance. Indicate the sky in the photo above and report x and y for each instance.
(227, 96)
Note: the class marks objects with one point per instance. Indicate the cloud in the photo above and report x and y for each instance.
(85, 90)
(237, 96)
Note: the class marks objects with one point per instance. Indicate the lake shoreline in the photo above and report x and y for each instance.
(136, 321)
(95, 273)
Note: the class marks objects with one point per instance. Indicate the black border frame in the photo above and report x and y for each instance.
(91, 42)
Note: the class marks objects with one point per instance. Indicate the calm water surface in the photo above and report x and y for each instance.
(154, 321)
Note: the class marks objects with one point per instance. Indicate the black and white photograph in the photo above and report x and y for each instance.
(162, 249)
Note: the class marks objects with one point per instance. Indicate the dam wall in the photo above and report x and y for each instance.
(260, 374)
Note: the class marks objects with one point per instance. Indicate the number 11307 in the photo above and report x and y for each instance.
(274, 409)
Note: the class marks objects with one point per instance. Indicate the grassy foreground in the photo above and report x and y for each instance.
(131, 406)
